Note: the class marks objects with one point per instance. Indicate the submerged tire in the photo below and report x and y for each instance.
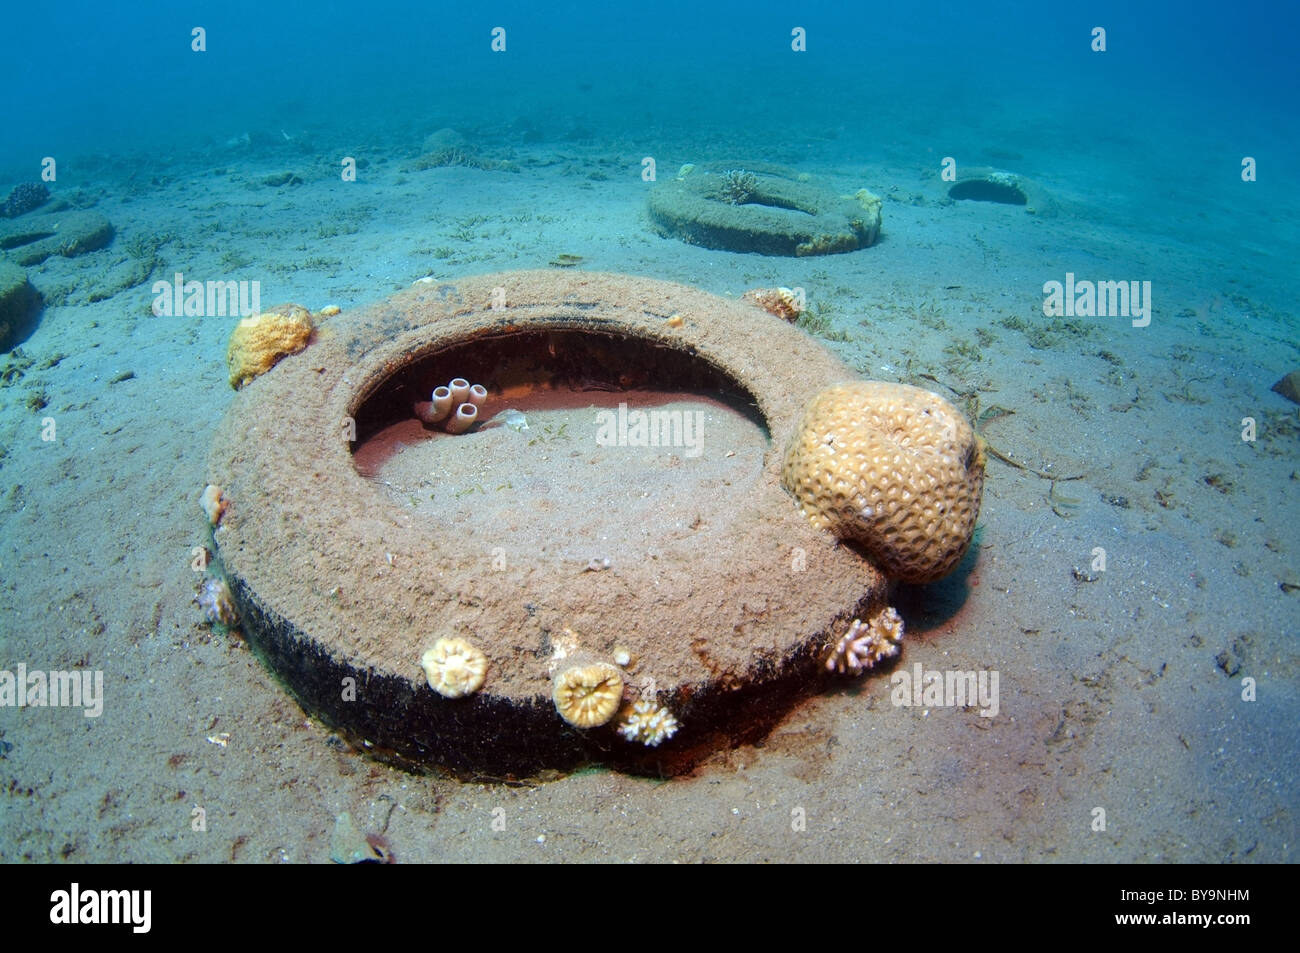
(762, 213)
(32, 238)
(342, 590)
(984, 184)
(20, 306)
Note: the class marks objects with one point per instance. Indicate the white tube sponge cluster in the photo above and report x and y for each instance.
(455, 405)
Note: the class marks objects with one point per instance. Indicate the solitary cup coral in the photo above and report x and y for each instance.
(259, 343)
(454, 668)
(893, 467)
(588, 695)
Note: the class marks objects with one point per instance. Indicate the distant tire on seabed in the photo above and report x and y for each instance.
(762, 212)
(984, 184)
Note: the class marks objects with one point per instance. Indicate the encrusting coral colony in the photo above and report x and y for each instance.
(260, 342)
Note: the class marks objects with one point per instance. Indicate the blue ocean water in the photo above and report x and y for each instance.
(83, 78)
(1182, 92)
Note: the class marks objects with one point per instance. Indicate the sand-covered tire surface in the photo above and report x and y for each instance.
(20, 306)
(985, 184)
(777, 216)
(32, 238)
(342, 590)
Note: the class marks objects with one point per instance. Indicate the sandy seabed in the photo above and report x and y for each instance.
(1120, 688)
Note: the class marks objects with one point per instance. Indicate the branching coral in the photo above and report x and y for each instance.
(864, 646)
(647, 723)
(738, 186)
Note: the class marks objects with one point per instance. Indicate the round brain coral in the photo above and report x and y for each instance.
(893, 467)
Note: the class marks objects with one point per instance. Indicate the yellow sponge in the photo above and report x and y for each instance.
(895, 468)
(258, 343)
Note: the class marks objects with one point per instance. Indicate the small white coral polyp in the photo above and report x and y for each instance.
(214, 598)
(648, 723)
(454, 668)
(864, 646)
